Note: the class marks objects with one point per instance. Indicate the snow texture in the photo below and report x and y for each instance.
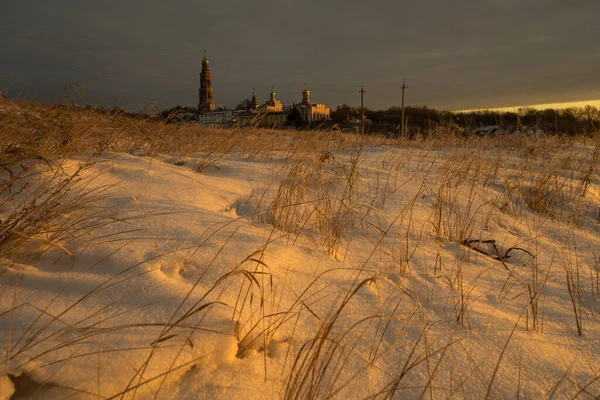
(198, 288)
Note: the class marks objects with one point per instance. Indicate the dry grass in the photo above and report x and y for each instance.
(317, 198)
(325, 194)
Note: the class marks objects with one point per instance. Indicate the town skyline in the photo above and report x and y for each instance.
(80, 89)
(513, 108)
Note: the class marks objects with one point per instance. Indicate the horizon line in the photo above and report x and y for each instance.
(540, 106)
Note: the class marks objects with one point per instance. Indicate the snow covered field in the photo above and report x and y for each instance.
(300, 266)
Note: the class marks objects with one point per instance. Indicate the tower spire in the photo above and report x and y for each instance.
(254, 101)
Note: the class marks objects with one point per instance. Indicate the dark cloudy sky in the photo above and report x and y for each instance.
(454, 54)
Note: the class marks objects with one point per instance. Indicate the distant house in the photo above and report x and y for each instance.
(349, 127)
(273, 119)
(487, 130)
(223, 117)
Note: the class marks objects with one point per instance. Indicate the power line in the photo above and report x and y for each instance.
(362, 111)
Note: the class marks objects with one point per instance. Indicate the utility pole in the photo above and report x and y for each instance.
(362, 111)
(310, 109)
(403, 88)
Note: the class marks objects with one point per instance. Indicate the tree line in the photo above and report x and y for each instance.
(569, 120)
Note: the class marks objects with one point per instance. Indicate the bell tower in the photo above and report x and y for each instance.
(205, 92)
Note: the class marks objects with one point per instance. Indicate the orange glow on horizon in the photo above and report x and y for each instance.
(556, 106)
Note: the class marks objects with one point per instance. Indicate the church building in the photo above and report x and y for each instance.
(309, 111)
(273, 105)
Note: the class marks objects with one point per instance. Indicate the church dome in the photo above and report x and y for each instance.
(306, 95)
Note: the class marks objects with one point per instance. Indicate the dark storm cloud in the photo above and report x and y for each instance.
(454, 54)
